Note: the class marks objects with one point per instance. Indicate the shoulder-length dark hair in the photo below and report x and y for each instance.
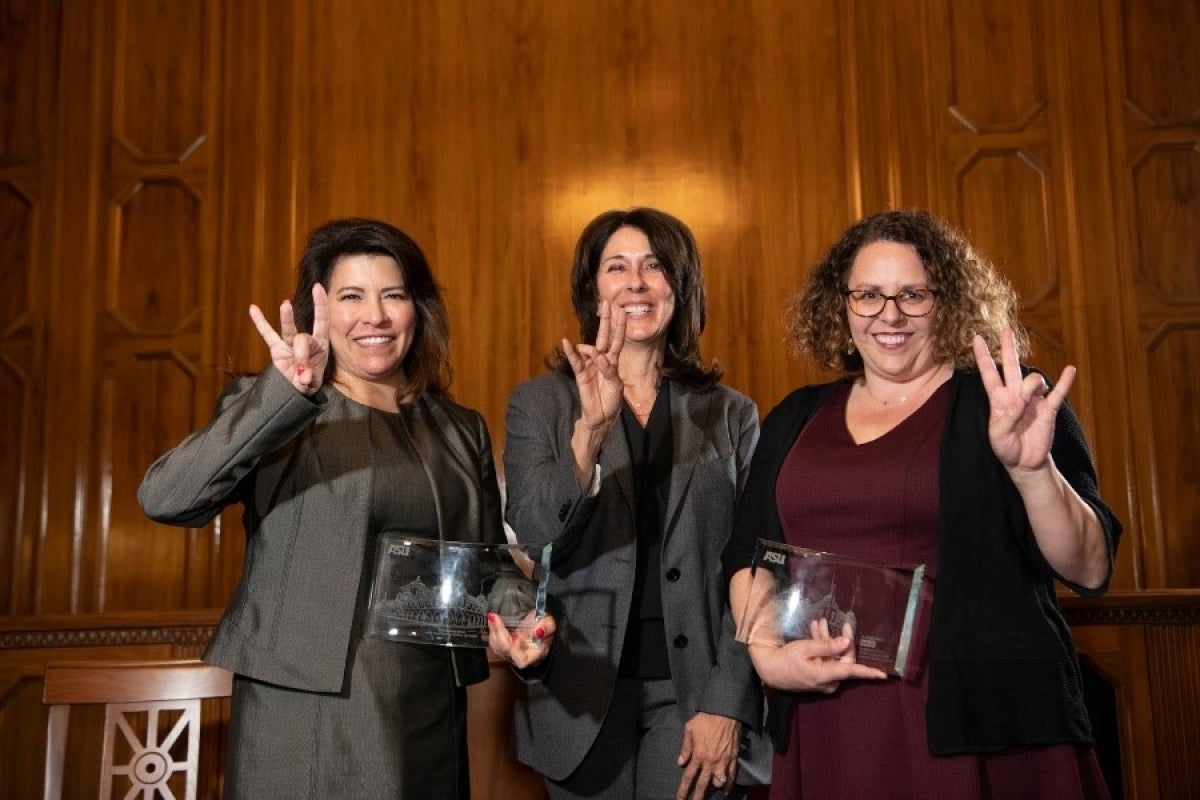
(674, 246)
(427, 364)
(972, 296)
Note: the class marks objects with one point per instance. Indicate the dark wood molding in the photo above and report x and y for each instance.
(185, 628)
(1149, 607)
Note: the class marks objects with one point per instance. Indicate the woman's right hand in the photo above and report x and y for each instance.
(819, 664)
(595, 367)
(300, 357)
(601, 390)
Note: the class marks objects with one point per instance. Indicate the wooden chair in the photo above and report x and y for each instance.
(151, 722)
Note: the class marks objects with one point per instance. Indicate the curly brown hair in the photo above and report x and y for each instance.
(972, 296)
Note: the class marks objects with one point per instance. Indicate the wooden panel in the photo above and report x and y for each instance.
(1147, 647)
(1156, 150)
(1025, 172)
(1174, 655)
(26, 30)
(997, 175)
(161, 166)
(560, 112)
(1174, 430)
(1166, 183)
(161, 78)
(19, 381)
(1164, 90)
(128, 435)
(987, 39)
(158, 295)
(29, 44)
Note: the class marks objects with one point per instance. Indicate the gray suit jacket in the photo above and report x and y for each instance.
(594, 553)
(302, 468)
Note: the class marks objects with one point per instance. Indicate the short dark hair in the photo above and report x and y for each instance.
(674, 246)
(427, 364)
(973, 297)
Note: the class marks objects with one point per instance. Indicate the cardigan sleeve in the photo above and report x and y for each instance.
(1073, 459)
(757, 514)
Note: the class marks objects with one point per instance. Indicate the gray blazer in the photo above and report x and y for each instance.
(302, 469)
(592, 577)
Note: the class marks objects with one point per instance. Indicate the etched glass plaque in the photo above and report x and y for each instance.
(440, 592)
(793, 589)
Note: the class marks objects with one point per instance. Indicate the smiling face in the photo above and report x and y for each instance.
(372, 322)
(894, 347)
(631, 278)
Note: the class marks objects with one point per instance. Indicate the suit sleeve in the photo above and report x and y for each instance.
(1072, 457)
(545, 503)
(191, 483)
(733, 689)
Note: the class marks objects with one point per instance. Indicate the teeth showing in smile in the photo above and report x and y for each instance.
(890, 338)
(370, 340)
(638, 309)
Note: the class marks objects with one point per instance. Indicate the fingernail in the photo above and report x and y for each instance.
(539, 633)
(491, 617)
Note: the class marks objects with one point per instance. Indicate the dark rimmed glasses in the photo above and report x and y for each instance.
(911, 302)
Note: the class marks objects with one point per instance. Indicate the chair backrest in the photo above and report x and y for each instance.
(151, 721)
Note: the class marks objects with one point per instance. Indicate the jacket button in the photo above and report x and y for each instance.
(681, 641)
(673, 574)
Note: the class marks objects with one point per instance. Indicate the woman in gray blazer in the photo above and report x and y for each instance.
(629, 456)
(348, 435)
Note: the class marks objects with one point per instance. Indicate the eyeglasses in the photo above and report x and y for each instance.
(911, 302)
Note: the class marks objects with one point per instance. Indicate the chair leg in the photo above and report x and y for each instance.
(56, 751)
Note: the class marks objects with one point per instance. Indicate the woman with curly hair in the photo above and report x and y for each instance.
(925, 451)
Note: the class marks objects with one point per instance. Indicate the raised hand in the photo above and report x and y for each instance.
(595, 367)
(299, 357)
(1021, 422)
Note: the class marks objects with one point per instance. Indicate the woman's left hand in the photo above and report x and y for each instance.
(517, 648)
(1021, 425)
(709, 755)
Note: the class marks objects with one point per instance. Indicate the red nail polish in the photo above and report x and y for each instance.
(539, 633)
(491, 617)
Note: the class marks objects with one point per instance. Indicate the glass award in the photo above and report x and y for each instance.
(794, 589)
(440, 592)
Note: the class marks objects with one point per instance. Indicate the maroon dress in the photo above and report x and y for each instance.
(878, 501)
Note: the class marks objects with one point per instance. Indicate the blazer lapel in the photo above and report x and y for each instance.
(690, 412)
(615, 459)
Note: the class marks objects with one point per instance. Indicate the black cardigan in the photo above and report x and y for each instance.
(1003, 668)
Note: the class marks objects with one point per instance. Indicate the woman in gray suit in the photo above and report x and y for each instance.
(348, 435)
(629, 456)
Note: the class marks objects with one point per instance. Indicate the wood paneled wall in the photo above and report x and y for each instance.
(161, 162)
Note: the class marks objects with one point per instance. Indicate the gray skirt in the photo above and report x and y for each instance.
(399, 732)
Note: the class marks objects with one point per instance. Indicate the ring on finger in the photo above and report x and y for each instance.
(719, 779)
